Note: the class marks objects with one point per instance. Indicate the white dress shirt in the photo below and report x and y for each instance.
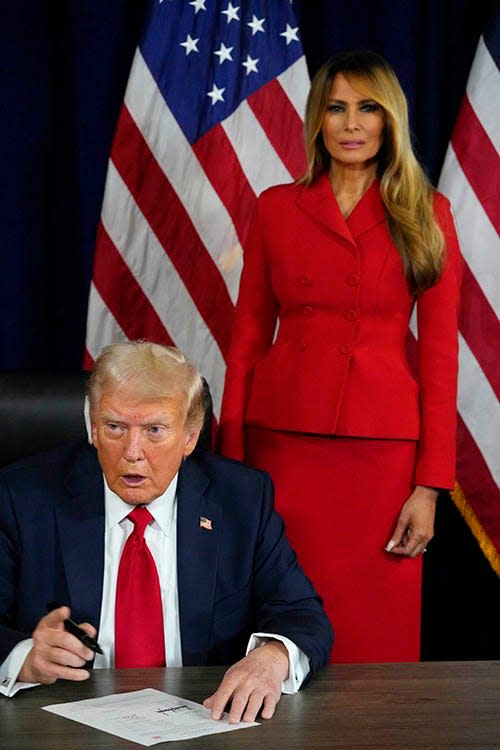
(161, 538)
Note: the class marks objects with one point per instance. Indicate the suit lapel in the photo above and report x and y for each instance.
(80, 520)
(197, 559)
(319, 202)
(368, 212)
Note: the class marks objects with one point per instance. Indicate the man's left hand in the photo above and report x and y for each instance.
(251, 684)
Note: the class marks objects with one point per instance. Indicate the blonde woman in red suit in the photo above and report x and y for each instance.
(358, 450)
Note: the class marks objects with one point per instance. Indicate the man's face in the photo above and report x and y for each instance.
(140, 442)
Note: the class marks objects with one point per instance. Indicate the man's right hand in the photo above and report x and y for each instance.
(56, 654)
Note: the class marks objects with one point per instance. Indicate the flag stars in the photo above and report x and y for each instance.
(231, 13)
(256, 24)
(198, 5)
(223, 53)
(250, 65)
(216, 94)
(190, 45)
(291, 35)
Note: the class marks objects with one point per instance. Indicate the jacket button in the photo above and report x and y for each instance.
(304, 279)
(351, 315)
(309, 312)
(345, 349)
(301, 345)
(353, 279)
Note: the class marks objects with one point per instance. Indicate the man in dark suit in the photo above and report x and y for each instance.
(218, 568)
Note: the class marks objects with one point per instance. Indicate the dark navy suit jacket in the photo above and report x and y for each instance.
(238, 578)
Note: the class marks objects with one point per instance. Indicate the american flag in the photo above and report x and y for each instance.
(212, 116)
(206, 523)
(471, 180)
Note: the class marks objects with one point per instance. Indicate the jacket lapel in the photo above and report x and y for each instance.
(319, 202)
(80, 519)
(197, 560)
(368, 212)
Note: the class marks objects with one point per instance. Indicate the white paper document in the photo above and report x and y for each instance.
(146, 716)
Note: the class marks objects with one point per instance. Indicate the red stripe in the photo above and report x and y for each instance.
(122, 294)
(222, 167)
(479, 160)
(477, 483)
(173, 227)
(282, 124)
(480, 327)
(88, 361)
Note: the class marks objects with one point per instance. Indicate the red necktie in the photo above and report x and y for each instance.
(139, 637)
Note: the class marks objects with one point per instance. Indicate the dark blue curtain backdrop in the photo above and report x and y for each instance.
(64, 67)
(63, 70)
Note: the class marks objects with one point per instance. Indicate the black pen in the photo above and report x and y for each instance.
(71, 627)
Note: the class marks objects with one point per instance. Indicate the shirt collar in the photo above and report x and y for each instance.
(162, 508)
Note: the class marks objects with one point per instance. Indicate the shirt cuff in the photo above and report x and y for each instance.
(299, 662)
(10, 668)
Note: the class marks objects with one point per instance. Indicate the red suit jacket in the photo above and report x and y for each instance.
(338, 364)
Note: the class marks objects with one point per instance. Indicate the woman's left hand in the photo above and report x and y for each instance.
(415, 526)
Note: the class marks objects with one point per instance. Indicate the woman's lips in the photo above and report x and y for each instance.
(352, 144)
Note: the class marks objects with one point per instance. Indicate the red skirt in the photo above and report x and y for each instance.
(340, 499)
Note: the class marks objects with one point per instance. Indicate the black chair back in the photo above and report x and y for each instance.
(38, 411)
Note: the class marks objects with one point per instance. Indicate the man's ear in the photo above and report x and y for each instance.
(93, 435)
(88, 421)
(191, 440)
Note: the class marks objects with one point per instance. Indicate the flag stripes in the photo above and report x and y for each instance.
(120, 288)
(102, 325)
(472, 222)
(478, 407)
(480, 327)
(482, 81)
(182, 180)
(280, 120)
(172, 225)
(478, 159)
(230, 183)
(174, 154)
(257, 156)
(295, 83)
(471, 179)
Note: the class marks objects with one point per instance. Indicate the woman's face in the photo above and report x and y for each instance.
(353, 126)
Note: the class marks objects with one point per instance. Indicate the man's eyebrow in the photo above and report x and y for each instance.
(159, 418)
(109, 415)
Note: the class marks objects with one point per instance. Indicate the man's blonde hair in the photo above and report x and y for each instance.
(152, 371)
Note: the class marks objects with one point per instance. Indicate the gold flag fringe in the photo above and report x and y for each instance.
(487, 547)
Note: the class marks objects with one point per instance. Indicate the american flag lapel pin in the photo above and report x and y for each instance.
(206, 523)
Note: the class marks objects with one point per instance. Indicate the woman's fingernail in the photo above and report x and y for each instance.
(390, 545)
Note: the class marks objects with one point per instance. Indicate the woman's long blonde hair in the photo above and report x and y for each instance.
(406, 192)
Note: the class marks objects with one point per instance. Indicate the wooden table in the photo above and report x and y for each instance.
(399, 706)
